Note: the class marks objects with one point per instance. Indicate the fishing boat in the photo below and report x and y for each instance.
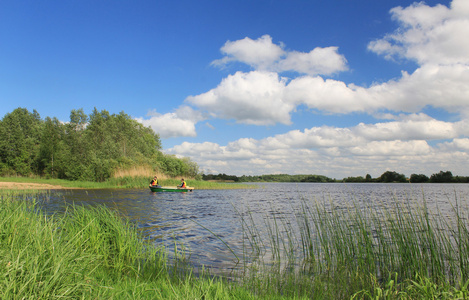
(170, 189)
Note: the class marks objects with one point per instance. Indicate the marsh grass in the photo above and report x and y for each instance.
(137, 171)
(371, 252)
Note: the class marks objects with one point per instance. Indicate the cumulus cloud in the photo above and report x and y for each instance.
(432, 36)
(260, 53)
(324, 61)
(263, 55)
(181, 122)
(264, 98)
(457, 144)
(402, 144)
(251, 98)
(428, 34)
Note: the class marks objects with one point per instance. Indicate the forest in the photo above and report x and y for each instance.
(90, 147)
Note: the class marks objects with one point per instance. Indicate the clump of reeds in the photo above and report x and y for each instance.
(335, 252)
(138, 171)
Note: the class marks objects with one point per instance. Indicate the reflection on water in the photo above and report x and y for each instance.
(193, 219)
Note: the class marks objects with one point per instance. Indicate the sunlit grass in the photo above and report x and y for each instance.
(90, 253)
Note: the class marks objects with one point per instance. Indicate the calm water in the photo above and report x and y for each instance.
(198, 220)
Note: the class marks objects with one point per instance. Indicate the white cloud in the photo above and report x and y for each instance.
(432, 36)
(428, 34)
(457, 145)
(324, 61)
(260, 53)
(179, 123)
(264, 98)
(263, 55)
(400, 145)
(392, 148)
(412, 127)
(251, 98)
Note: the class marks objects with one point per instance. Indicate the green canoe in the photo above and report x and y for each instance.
(170, 189)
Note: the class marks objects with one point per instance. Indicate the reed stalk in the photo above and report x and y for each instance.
(361, 250)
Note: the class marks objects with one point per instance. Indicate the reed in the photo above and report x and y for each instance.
(359, 251)
(138, 171)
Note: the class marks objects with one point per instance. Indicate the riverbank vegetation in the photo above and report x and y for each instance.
(90, 253)
(93, 147)
(400, 251)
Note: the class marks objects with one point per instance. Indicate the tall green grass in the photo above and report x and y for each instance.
(89, 253)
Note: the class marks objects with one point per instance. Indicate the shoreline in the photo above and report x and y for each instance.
(4, 185)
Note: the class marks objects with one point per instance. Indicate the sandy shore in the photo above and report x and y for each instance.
(29, 186)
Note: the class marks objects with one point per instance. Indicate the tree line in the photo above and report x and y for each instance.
(88, 147)
(392, 176)
(388, 176)
(268, 178)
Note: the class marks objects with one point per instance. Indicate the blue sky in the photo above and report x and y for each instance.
(338, 88)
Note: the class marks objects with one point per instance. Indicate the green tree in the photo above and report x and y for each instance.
(51, 147)
(391, 176)
(77, 159)
(19, 141)
(442, 177)
(418, 178)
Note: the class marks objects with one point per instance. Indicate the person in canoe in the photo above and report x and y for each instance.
(183, 184)
(154, 182)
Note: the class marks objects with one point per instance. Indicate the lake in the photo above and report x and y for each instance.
(211, 225)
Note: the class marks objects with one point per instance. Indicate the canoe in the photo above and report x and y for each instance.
(170, 189)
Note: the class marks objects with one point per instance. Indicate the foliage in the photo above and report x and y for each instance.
(418, 178)
(221, 177)
(355, 179)
(441, 177)
(270, 178)
(447, 177)
(87, 148)
(392, 176)
(19, 140)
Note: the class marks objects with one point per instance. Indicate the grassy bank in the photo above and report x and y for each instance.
(125, 182)
(90, 253)
(359, 252)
